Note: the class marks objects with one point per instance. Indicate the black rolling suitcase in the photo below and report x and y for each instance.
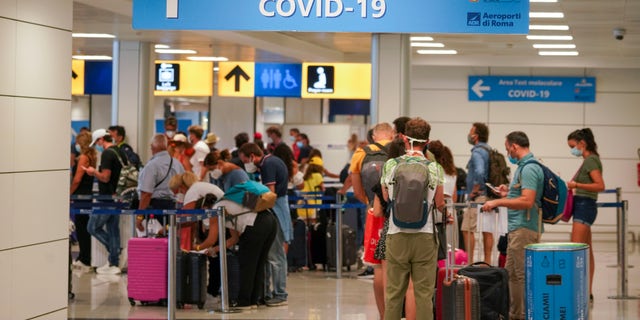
(349, 248)
(233, 276)
(494, 289)
(191, 279)
(297, 254)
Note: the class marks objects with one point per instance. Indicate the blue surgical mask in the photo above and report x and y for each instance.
(511, 159)
(576, 152)
(78, 149)
(299, 144)
(99, 148)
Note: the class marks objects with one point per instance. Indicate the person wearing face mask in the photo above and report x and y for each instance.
(305, 149)
(170, 127)
(293, 137)
(478, 175)
(224, 174)
(105, 227)
(522, 202)
(586, 183)
(274, 174)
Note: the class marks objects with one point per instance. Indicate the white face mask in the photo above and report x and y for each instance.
(170, 134)
(216, 174)
(250, 167)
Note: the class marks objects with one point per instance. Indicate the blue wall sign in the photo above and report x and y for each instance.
(278, 80)
(407, 16)
(524, 88)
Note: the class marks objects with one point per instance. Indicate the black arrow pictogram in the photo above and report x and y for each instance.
(237, 72)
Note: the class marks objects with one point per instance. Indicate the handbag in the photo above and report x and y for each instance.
(373, 227)
(568, 205)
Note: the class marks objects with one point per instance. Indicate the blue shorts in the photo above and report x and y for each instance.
(585, 210)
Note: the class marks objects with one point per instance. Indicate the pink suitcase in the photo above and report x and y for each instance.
(147, 273)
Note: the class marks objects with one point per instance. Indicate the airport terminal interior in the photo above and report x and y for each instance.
(572, 64)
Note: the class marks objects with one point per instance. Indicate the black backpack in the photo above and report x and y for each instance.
(132, 157)
(498, 170)
(371, 170)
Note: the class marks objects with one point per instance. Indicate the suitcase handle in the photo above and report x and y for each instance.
(481, 263)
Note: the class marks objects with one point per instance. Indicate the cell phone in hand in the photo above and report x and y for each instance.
(494, 189)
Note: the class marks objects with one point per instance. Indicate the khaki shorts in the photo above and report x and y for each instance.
(470, 216)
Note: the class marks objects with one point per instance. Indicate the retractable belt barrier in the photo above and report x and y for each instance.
(621, 216)
(338, 205)
(110, 205)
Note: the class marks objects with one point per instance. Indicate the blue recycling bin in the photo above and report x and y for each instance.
(557, 281)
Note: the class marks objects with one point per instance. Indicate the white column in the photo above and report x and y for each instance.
(132, 93)
(390, 78)
(35, 117)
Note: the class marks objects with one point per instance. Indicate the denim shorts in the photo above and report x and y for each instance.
(585, 210)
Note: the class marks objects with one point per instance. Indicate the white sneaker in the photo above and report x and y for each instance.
(105, 267)
(78, 265)
(109, 270)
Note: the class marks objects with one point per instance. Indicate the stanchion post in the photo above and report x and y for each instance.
(623, 292)
(171, 277)
(338, 241)
(621, 233)
(222, 244)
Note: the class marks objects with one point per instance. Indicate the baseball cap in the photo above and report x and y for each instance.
(257, 135)
(97, 134)
(317, 161)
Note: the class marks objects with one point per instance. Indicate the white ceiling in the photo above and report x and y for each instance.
(591, 24)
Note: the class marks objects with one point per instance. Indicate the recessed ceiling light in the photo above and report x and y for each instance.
(93, 35)
(554, 46)
(548, 27)
(546, 15)
(539, 37)
(558, 53)
(421, 39)
(92, 57)
(176, 51)
(427, 44)
(162, 46)
(208, 58)
(437, 51)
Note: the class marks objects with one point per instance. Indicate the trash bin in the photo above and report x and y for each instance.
(557, 281)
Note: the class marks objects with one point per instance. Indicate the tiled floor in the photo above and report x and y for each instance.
(319, 295)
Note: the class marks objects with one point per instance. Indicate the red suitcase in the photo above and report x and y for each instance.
(147, 273)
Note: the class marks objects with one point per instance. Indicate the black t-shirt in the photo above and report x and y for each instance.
(304, 153)
(274, 171)
(109, 160)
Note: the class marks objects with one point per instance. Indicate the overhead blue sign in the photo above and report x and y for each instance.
(384, 16)
(524, 88)
(278, 80)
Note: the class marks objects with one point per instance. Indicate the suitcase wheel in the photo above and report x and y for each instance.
(201, 305)
(163, 302)
(180, 305)
(132, 302)
(71, 295)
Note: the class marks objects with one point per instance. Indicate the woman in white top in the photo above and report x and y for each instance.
(444, 158)
(254, 233)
